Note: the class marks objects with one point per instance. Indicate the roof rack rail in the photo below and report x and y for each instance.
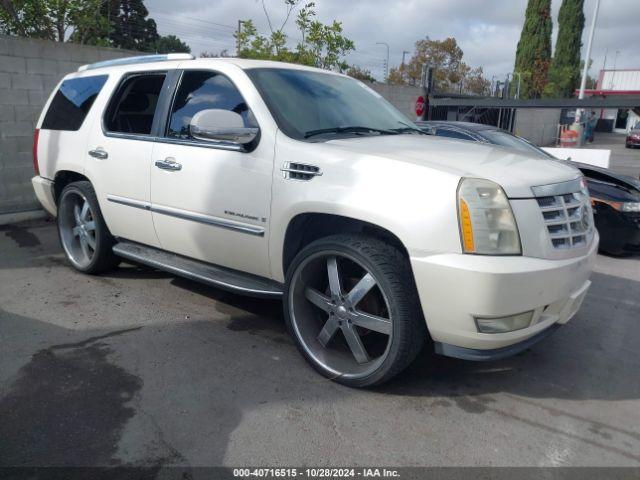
(137, 59)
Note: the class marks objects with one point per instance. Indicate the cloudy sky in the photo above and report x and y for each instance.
(486, 30)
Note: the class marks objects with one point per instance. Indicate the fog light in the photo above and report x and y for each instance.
(504, 324)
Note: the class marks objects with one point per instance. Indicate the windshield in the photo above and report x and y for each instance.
(507, 140)
(309, 104)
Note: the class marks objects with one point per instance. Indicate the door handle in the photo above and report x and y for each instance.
(169, 164)
(99, 153)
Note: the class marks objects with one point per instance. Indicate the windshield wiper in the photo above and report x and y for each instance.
(353, 129)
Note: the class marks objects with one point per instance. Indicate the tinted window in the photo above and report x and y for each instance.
(133, 107)
(445, 132)
(203, 90)
(72, 102)
(303, 101)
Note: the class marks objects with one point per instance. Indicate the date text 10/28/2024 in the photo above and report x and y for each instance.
(362, 472)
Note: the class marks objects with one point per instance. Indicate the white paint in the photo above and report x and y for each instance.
(620, 80)
(406, 184)
(590, 156)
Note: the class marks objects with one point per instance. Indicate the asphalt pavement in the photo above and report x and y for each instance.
(137, 367)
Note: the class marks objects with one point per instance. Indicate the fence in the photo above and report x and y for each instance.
(29, 70)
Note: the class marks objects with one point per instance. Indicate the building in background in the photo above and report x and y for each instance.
(617, 83)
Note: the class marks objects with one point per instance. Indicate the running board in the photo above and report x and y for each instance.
(220, 277)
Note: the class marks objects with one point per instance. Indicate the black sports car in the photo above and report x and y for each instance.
(615, 197)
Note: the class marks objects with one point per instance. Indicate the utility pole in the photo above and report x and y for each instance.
(108, 22)
(585, 70)
(386, 64)
(404, 52)
(519, 79)
(613, 75)
(238, 38)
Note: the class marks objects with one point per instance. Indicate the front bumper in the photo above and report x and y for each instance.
(455, 288)
(43, 187)
(619, 231)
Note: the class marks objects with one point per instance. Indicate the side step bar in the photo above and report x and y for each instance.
(220, 277)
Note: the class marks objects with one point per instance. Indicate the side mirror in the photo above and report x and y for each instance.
(221, 126)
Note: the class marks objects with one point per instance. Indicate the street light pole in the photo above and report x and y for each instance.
(585, 70)
(238, 38)
(404, 52)
(519, 79)
(386, 65)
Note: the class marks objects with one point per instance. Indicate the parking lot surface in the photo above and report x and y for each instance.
(140, 368)
(137, 367)
(623, 160)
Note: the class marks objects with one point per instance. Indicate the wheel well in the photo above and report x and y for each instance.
(64, 178)
(308, 227)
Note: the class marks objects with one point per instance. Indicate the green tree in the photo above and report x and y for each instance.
(451, 73)
(476, 83)
(564, 73)
(127, 26)
(321, 45)
(49, 19)
(170, 44)
(533, 54)
(224, 53)
(360, 74)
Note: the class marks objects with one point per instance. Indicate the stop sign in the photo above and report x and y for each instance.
(420, 106)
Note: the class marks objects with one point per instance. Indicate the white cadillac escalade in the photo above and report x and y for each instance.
(278, 180)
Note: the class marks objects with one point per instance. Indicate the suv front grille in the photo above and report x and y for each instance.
(568, 219)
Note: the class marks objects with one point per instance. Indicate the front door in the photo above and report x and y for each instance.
(120, 150)
(211, 201)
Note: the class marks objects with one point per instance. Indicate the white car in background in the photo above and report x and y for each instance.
(290, 182)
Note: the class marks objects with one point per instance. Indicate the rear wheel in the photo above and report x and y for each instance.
(352, 308)
(85, 238)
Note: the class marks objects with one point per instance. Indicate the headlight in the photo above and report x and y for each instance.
(487, 225)
(620, 206)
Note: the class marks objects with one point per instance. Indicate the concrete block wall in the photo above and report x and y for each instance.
(29, 70)
(400, 96)
(538, 125)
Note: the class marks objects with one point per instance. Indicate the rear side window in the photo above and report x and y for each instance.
(133, 107)
(72, 102)
(203, 90)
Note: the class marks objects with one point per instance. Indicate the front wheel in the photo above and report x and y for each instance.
(352, 309)
(85, 237)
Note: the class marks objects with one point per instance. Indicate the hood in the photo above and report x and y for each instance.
(515, 172)
(607, 175)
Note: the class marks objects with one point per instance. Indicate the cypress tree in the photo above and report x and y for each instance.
(564, 74)
(533, 54)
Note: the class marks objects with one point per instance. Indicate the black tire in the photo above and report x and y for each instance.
(394, 278)
(103, 259)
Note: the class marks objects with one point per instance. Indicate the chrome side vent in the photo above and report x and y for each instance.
(300, 171)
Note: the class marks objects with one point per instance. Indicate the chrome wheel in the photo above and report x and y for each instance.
(77, 226)
(340, 314)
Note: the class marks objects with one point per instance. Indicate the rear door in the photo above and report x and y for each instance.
(214, 203)
(119, 152)
(67, 123)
